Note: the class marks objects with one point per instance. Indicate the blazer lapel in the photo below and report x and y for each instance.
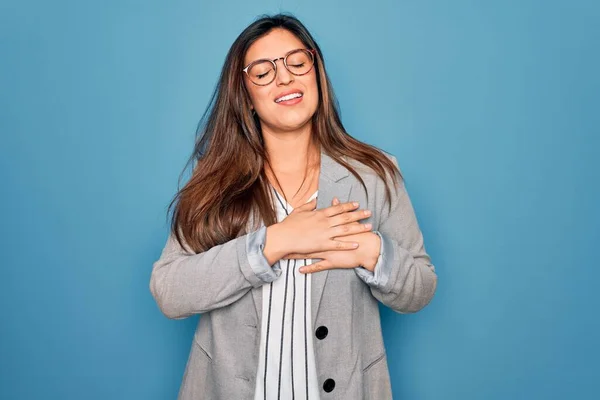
(329, 187)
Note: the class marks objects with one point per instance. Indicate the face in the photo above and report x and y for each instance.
(281, 116)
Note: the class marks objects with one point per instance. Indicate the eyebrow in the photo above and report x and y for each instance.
(276, 58)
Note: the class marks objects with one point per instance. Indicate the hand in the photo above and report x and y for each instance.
(365, 255)
(307, 230)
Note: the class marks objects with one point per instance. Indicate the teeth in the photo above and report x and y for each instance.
(288, 97)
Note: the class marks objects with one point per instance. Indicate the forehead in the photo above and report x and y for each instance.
(274, 44)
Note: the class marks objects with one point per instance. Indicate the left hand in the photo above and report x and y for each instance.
(365, 255)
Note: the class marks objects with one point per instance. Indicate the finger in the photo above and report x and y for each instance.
(316, 267)
(335, 202)
(349, 217)
(340, 245)
(300, 256)
(340, 208)
(350, 229)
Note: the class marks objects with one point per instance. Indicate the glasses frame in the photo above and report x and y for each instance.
(312, 52)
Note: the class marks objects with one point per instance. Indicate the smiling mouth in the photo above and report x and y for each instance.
(291, 96)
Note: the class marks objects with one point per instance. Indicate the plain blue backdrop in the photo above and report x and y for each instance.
(492, 109)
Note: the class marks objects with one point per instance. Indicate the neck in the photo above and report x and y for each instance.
(291, 151)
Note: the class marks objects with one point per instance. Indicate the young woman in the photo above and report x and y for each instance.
(287, 235)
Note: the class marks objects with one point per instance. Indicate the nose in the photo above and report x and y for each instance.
(284, 77)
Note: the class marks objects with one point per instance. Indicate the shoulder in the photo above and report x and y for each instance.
(366, 172)
(379, 192)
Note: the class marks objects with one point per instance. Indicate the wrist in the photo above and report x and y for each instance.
(275, 248)
(372, 255)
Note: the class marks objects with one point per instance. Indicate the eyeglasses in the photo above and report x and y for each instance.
(298, 62)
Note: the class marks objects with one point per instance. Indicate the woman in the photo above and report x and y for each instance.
(287, 235)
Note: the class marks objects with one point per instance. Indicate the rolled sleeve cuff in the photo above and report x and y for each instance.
(380, 276)
(255, 243)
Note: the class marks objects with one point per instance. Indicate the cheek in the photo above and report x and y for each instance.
(260, 98)
(314, 98)
(311, 84)
(257, 95)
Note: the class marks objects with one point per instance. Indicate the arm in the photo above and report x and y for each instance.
(184, 283)
(404, 278)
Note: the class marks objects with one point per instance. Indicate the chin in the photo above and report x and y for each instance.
(293, 123)
(291, 119)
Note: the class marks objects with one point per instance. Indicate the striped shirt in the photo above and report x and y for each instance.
(286, 366)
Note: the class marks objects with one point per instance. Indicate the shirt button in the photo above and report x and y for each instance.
(329, 385)
(321, 332)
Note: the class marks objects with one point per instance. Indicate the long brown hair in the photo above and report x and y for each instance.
(228, 183)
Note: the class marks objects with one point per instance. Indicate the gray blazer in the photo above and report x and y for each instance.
(223, 285)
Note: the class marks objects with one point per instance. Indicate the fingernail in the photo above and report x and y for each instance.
(355, 204)
(355, 245)
(368, 226)
(367, 212)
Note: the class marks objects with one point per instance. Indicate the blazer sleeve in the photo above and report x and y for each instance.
(184, 283)
(404, 278)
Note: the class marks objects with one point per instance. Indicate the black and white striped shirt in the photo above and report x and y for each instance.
(286, 366)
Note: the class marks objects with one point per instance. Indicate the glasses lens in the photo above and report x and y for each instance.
(299, 62)
(262, 73)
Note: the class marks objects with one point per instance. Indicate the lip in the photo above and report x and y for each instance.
(288, 92)
(290, 102)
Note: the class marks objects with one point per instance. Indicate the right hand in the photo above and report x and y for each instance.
(307, 230)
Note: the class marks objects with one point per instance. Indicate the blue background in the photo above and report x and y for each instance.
(492, 109)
